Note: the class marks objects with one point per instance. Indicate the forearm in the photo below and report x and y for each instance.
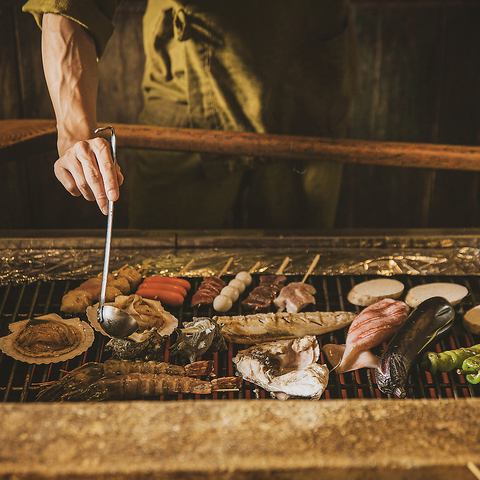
(71, 71)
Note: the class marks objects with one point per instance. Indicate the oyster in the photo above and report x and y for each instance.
(149, 314)
(47, 339)
(196, 338)
(285, 368)
(149, 348)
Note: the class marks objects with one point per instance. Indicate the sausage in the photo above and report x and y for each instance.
(169, 287)
(173, 299)
(171, 280)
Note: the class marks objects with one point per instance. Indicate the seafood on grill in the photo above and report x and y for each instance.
(264, 327)
(448, 360)
(169, 290)
(430, 319)
(82, 377)
(374, 325)
(196, 338)
(149, 314)
(149, 348)
(123, 281)
(295, 297)
(365, 293)
(262, 296)
(47, 339)
(285, 368)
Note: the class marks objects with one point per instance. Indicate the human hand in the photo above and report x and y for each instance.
(86, 168)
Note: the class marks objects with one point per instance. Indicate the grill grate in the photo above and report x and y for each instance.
(20, 382)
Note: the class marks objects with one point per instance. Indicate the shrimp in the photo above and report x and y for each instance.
(143, 385)
(89, 373)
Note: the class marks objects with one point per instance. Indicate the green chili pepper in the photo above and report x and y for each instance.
(471, 366)
(448, 360)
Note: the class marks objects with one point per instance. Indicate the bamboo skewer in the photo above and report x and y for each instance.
(185, 268)
(474, 470)
(254, 267)
(225, 268)
(283, 266)
(311, 268)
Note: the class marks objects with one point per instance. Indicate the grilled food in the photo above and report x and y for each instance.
(47, 339)
(451, 292)
(149, 314)
(114, 380)
(471, 320)
(295, 297)
(431, 318)
(121, 282)
(374, 325)
(169, 290)
(207, 291)
(264, 327)
(448, 360)
(285, 368)
(366, 293)
(261, 297)
(197, 338)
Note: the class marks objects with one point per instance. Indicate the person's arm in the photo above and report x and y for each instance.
(70, 63)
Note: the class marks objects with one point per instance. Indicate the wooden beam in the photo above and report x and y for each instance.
(30, 136)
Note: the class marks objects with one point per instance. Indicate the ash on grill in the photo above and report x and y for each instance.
(20, 382)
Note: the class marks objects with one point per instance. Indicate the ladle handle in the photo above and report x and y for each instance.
(108, 238)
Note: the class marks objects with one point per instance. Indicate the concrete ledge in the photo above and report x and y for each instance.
(356, 439)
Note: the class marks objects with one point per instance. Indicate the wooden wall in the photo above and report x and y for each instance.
(419, 80)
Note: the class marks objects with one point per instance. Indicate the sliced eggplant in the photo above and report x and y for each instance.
(430, 319)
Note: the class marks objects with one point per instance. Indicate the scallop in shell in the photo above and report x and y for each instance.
(47, 339)
(149, 314)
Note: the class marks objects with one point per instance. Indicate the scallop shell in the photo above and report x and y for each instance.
(82, 333)
(149, 314)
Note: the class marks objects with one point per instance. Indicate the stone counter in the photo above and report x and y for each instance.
(355, 439)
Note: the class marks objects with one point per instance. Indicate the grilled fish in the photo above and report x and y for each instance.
(284, 368)
(371, 327)
(264, 327)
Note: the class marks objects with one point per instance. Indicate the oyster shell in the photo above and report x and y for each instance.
(285, 368)
(149, 315)
(197, 337)
(47, 339)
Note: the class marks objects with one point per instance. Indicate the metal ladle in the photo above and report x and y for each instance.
(114, 321)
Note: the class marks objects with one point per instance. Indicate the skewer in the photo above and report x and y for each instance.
(474, 470)
(225, 268)
(283, 266)
(311, 268)
(185, 268)
(255, 267)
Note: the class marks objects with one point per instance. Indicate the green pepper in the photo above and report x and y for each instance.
(471, 366)
(448, 360)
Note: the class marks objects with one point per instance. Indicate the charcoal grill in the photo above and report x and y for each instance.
(20, 382)
(354, 430)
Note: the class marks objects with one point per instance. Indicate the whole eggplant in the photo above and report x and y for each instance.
(431, 318)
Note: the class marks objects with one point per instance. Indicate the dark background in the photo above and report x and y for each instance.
(419, 69)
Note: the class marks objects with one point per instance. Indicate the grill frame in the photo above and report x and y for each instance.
(333, 438)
